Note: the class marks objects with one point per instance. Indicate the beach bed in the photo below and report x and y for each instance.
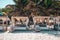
(41, 22)
(19, 22)
(58, 23)
(3, 22)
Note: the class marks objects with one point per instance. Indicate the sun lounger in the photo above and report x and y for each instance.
(19, 22)
(39, 21)
(3, 22)
(57, 27)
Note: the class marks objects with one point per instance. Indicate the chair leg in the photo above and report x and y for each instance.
(5, 28)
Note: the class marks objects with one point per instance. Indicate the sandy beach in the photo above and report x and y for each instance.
(27, 36)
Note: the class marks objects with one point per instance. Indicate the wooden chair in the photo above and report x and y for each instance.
(21, 21)
(39, 20)
(3, 22)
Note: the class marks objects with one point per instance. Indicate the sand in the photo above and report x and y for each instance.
(27, 36)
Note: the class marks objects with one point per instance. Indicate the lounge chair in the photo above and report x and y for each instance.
(3, 23)
(20, 23)
(39, 23)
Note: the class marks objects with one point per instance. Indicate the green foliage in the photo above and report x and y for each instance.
(48, 3)
(24, 2)
(1, 12)
(21, 3)
(43, 5)
(7, 10)
(36, 1)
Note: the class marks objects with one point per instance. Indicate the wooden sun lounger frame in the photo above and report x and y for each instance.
(18, 18)
(38, 18)
(4, 19)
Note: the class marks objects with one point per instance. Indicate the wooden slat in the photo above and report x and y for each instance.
(40, 18)
(18, 19)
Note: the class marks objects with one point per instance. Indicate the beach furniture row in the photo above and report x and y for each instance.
(22, 23)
